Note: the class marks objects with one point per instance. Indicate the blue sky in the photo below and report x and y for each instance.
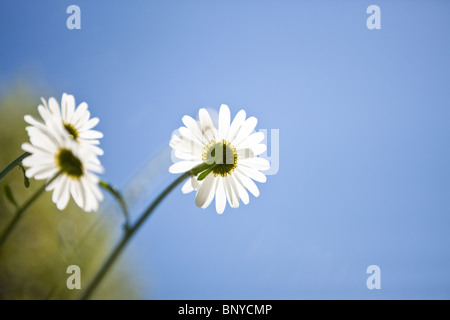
(363, 117)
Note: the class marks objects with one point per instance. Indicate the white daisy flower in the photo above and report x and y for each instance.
(232, 152)
(75, 120)
(52, 151)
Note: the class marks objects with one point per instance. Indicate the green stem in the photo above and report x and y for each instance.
(132, 230)
(118, 196)
(20, 212)
(13, 164)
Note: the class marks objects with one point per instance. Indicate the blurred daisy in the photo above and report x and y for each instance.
(75, 120)
(231, 151)
(52, 151)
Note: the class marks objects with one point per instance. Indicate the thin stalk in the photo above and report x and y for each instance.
(119, 198)
(13, 164)
(133, 229)
(20, 211)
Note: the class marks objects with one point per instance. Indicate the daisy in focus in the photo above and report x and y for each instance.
(229, 153)
(75, 120)
(54, 152)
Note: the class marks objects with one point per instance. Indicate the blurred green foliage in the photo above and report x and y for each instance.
(34, 260)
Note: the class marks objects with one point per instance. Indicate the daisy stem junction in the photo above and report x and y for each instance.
(13, 164)
(131, 231)
(20, 211)
(118, 196)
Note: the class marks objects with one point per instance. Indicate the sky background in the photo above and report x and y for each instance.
(363, 117)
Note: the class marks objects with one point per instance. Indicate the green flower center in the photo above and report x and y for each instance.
(69, 164)
(71, 130)
(223, 155)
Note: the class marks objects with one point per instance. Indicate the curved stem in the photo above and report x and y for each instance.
(13, 164)
(118, 196)
(20, 212)
(132, 230)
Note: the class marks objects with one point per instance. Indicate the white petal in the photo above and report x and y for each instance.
(45, 142)
(84, 118)
(195, 183)
(211, 194)
(61, 204)
(186, 145)
(183, 166)
(203, 197)
(245, 153)
(59, 188)
(253, 174)
(233, 200)
(187, 187)
(67, 107)
(80, 191)
(187, 156)
(251, 140)
(90, 124)
(93, 185)
(41, 172)
(256, 163)
(221, 199)
(91, 134)
(190, 123)
(246, 182)
(29, 119)
(91, 203)
(54, 107)
(247, 127)
(91, 147)
(236, 125)
(208, 128)
(242, 193)
(79, 113)
(75, 190)
(45, 114)
(53, 184)
(188, 133)
(224, 121)
(258, 149)
(39, 160)
(97, 168)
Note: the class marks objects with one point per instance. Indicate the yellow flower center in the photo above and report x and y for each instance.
(71, 130)
(69, 164)
(223, 155)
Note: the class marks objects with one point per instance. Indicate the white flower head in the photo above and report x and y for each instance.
(232, 151)
(53, 151)
(75, 120)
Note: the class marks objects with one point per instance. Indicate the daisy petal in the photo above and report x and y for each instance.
(183, 166)
(54, 107)
(233, 200)
(207, 125)
(251, 140)
(91, 134)
(190, 123)
(90, 124)
(203, 197)
(253, 174)
(243, 194)
(67, 107)
(187, 187)
(247, 127)
(221, 199)
(259, 149)
(236, 125)
(247, 182)
(256, 163)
